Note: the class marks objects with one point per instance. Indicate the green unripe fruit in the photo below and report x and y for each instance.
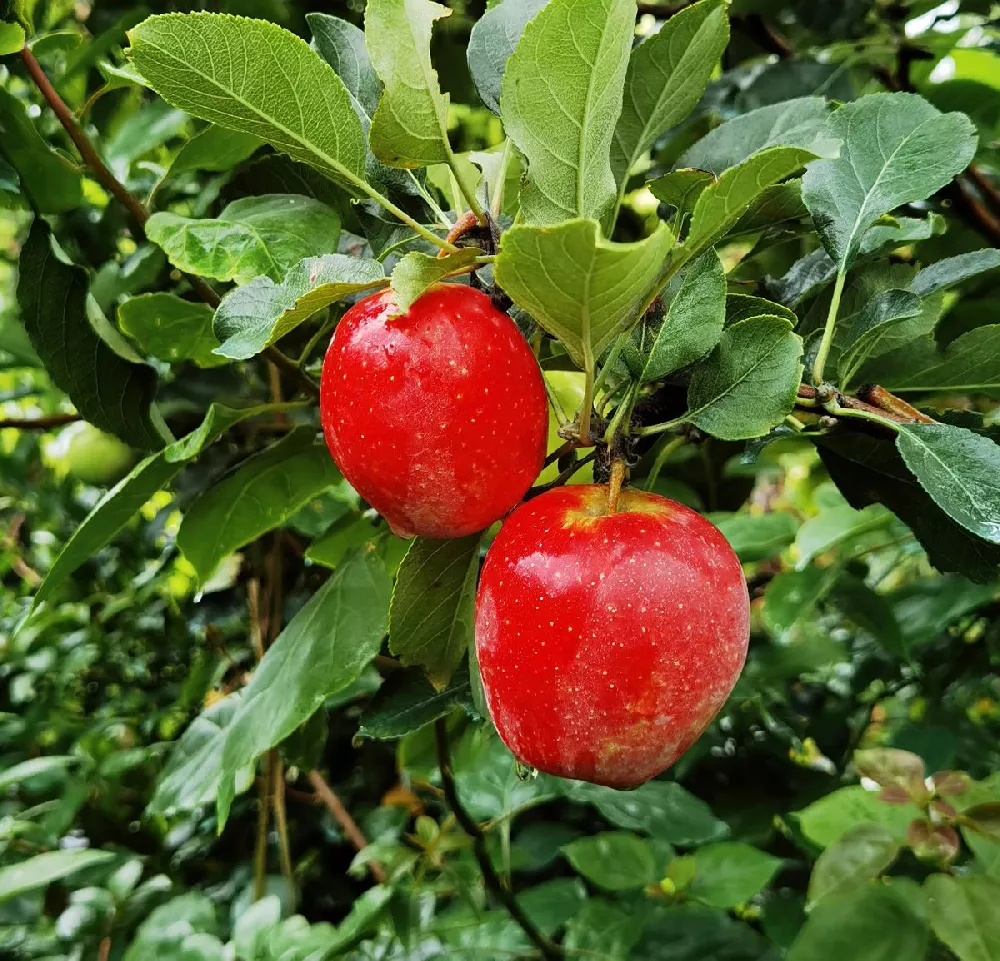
(95, 457)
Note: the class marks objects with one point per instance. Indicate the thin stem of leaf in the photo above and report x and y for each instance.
(662, 456)
(563, 477)
(442, 217)
(557, 406)
(496, 201)
(624, 413)
(659, 428)
(468, 190)
(263, 822)
(609, 364)
(386, 204)
(828, 330)
(548, 950)
(586, 408)
(321, 332)
(852, 413)
(281, 823)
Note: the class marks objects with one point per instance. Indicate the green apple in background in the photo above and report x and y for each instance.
(567, 386)
(94, 457)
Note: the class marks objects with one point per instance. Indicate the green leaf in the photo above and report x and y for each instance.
(970, 363)
(114, 510)
(259, 495)
(552, 903)
(322, 650)
(792, 595)
(721, 204)
(190, 778)
(215, 149)
(347, 533)
(667, 74)
(255, 236)
(681, 189)
(895, 149)
(109, 391)
(46, 764)
(696, 932)
(407, 702)
(493, 39)
(410, 126)
(826, 821)
(41, 870)
(662, 809)
(861, 855)
(866, 335)
(342, 45)
(963, 914)
(416, 273)
(11, 38)
(170, 329)
(870, 611)
(834, 525)
(953, 270)
(756, 537)
(256, 78)
(613, 860)
(884, 923)
(254, 316)
(433, 605)
(488, 781)
(46, 179)
(743, 306)
(602, 928)
(791, 123)
(581, 288)
(749, 382)
(694, 314)
(730, 873)
(563, 120)
(959, 469)
(870, 469)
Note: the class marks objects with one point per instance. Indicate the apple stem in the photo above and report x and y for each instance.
(615, 484)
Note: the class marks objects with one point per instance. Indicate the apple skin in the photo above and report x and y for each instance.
(95, 457)
(437, 417)
(608, 642)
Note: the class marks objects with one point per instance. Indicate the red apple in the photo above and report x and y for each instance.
(437, 416)
(607, 642)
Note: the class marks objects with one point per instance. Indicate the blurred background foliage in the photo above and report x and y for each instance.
(109, 698)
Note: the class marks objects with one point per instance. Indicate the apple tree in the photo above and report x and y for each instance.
(499, 480)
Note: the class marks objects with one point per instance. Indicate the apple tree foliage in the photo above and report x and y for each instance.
(765, 236)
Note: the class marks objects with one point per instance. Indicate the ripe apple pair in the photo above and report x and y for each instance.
(607, 641)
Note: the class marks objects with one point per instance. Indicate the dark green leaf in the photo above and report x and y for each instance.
(322, 650)
(895, 149)
(433, 602)
(47, 180)
(693, 315)
(681, 189)
(256, 315)
(662, 809)
(749, 382)
(613, 860)
(259, 495)
(792, 123)
(41, 870)
(170, 329)
(696, 932)
(756, 537)
(886, 923)
(744, 306)
(953, 270)
(870, 325)
(603, 927)
(730, 873)
(109, 391)
(792, 595)
(406, 702)
(342, 45)
(963, 914)
(215, 149)
(959, 469)
(493, 39)
(861, 855)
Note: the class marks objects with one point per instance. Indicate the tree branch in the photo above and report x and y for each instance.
(503, 894)
(139, 213)
(343, 817)
(39, 423)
